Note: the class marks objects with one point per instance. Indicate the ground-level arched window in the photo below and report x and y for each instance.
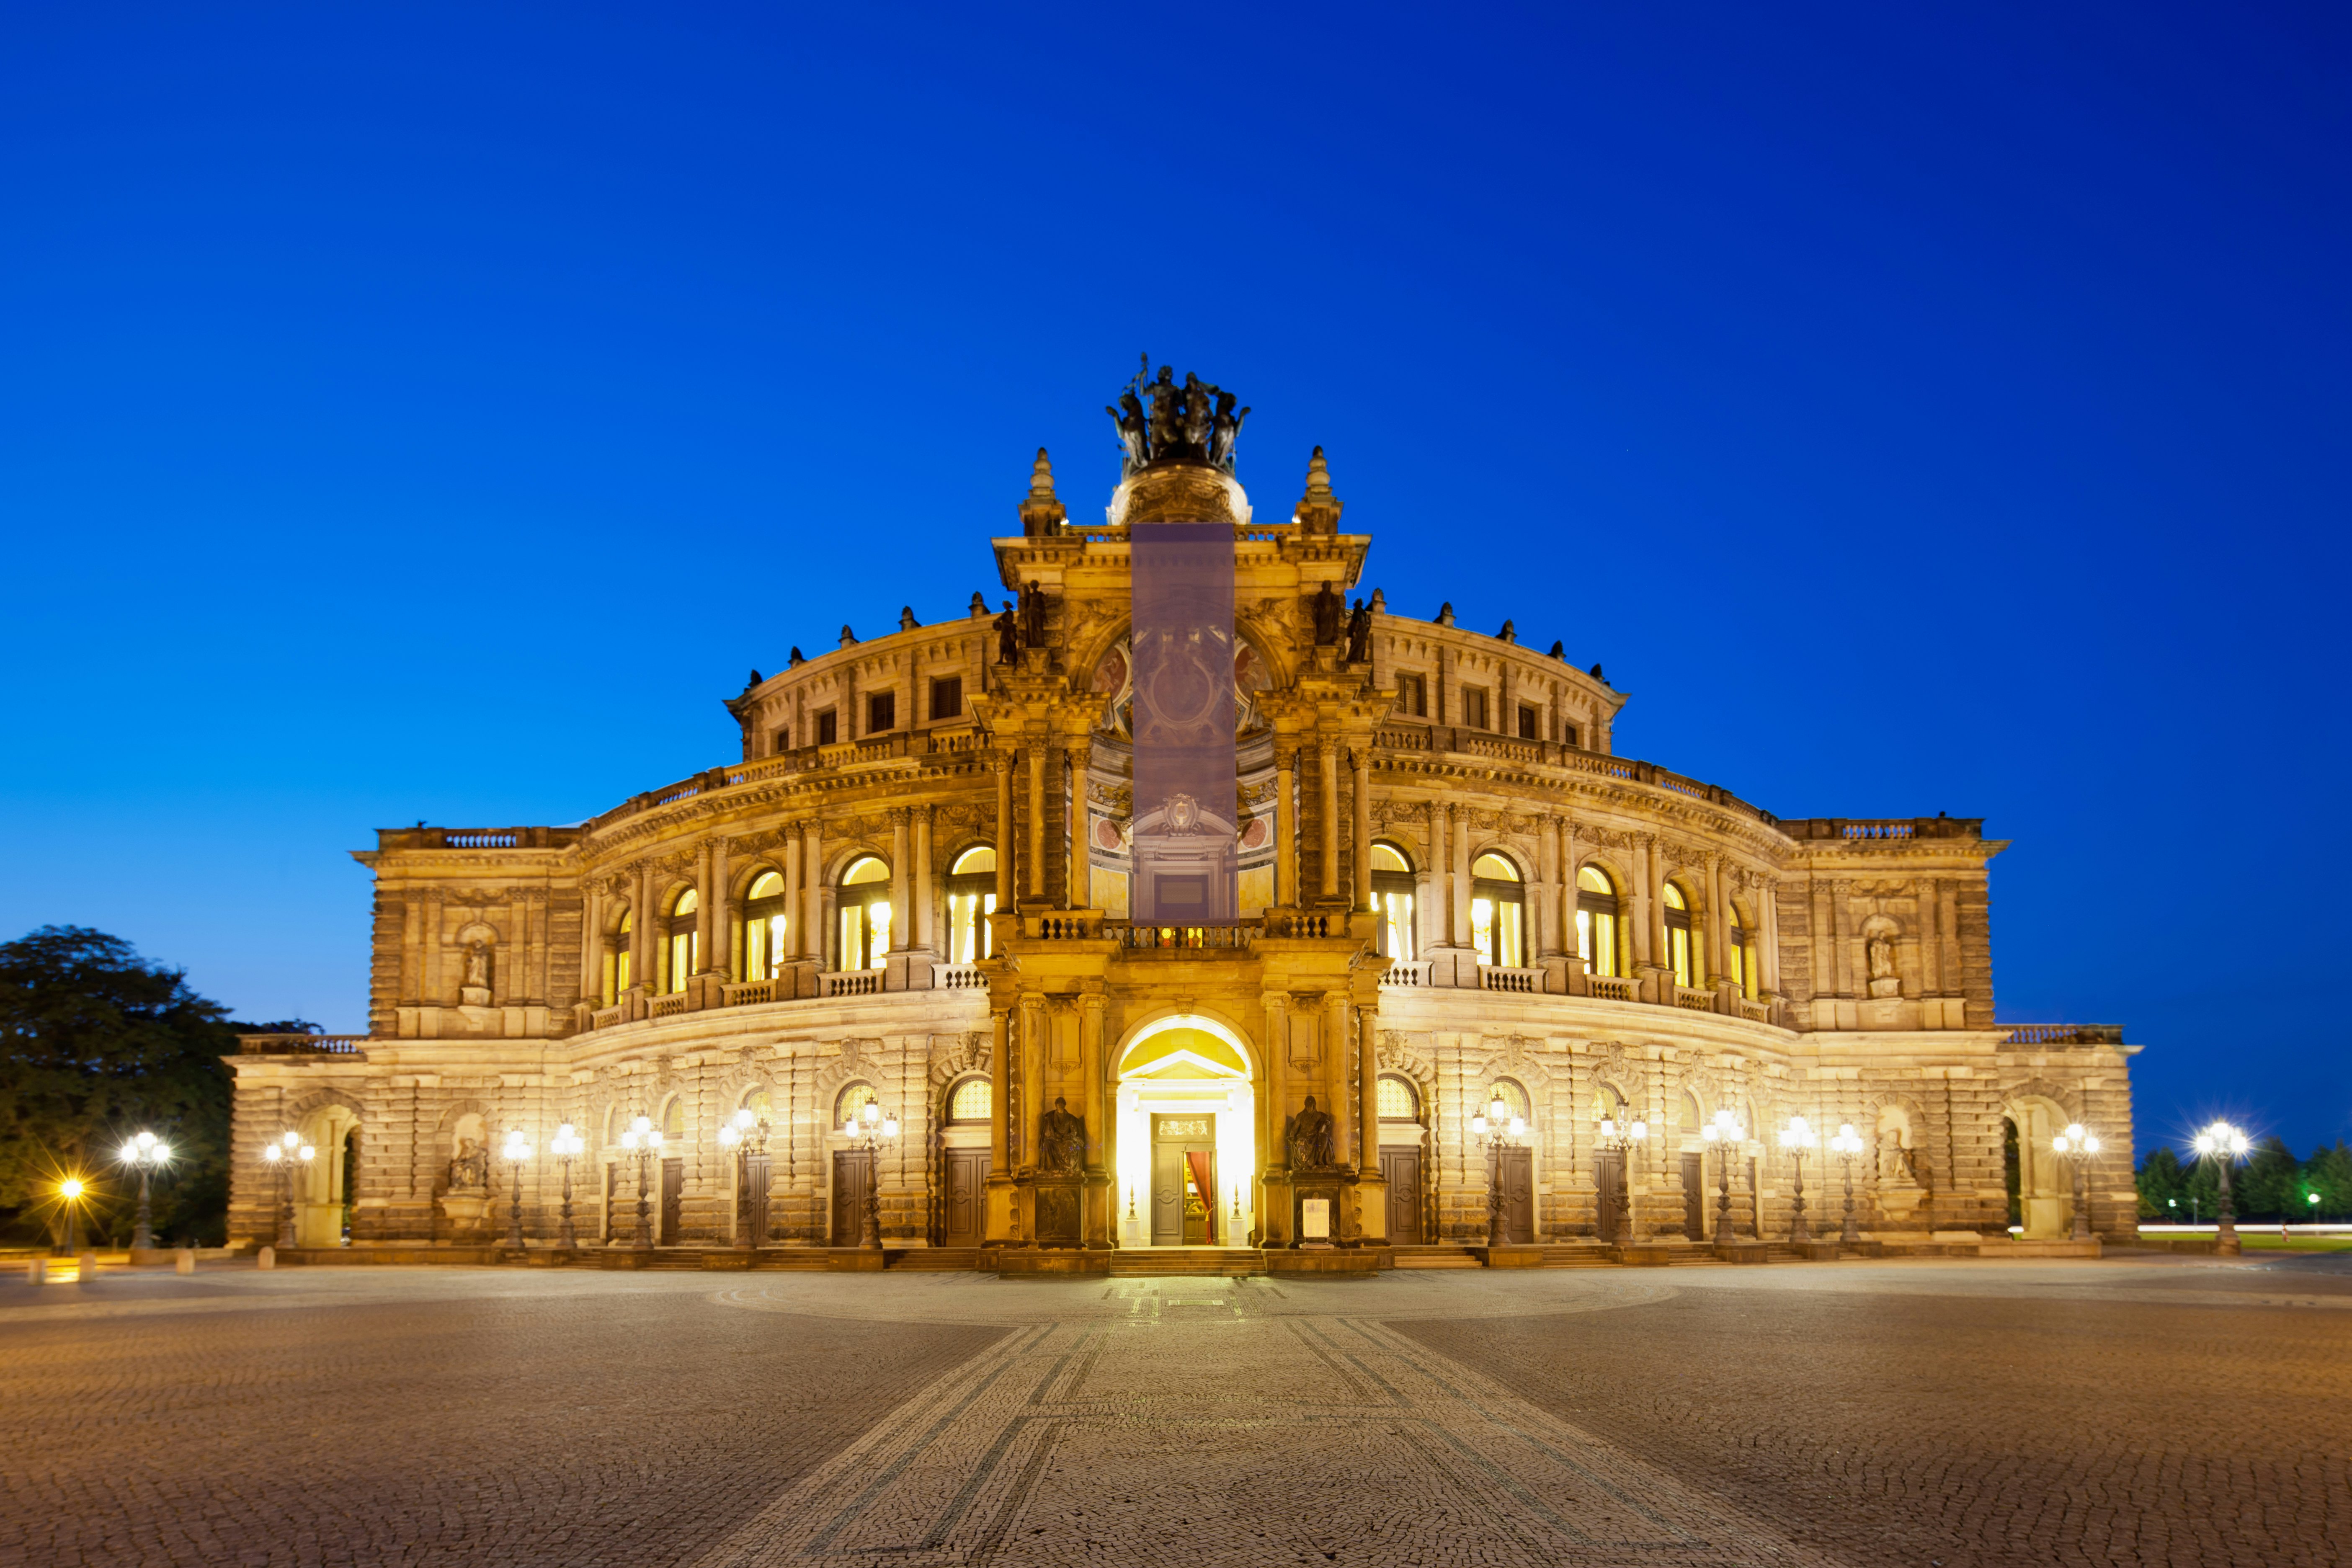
(1514, 1098)
(1678, 935)
(1742, 945)
(971, 898)
(683, 948)
(850, 1104)
(1397, 1100)
(1392, 901)
(864, 913)
(1597, 913)
(763, 927)
(673, 1119)
(1498, 912)
(617, 961)
(971, 1100)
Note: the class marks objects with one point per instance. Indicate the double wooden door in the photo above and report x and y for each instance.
(967, 1197)
(1517, 1171)
(1609, 1179)
(1695, 1196)
(673, 1201)
(1401, 1168)
(853, 1175)
(1179, 1211)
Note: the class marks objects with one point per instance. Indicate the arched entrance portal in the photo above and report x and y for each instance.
(322, 1189)
(1187, 1115)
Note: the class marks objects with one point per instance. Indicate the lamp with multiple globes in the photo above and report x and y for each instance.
(566, 1146)
(1495, 1131)
(2077, 1145)
(871, 1131)
(1724, 1133)
(748, 1133)
(1797, 1137)
(644, 1140)
(516, 1153)
(1846, 1143)
(145, 1154)
(2224, 1145)
(280, 1155)
(1623, 1138)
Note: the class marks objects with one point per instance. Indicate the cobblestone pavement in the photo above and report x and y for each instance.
(2179, 1411)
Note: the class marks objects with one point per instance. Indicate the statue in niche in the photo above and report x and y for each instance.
(1880, 950)
(1133, 438)
(1307, 1136)
(1008, 636)
(478, 964)
(470, 1171)
(1061, 1140)
(1359, 633)
(1224, 429)
(1032, 616)
(1328, 608)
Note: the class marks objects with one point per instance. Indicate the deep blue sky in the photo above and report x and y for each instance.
(434, 412)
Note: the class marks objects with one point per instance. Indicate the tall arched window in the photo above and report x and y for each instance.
(864, 913)
(683, 948)
(673, 1119)
(617, 961)
(1743, 951)
(971, 898)
(1597, 913)
(971, 1100)
(1679, 957)
(851, 1103)
(1498, 912)
(763, 927)
(1392, 901)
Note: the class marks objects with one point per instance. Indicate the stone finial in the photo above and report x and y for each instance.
(1379, 602)
(1509, 635)
(1042, 512)
(907, 621)
(1560, 651)
(978, 609)
(1444, 615)
(848, 638)
(798, 657)
(1598, 676)
(1319, 508)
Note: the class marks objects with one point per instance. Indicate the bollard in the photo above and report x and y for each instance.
(36, 1272)
(268, 1258)
(85, 1265)
(183, 1261)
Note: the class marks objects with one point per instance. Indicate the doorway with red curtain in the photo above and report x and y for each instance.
(1200, 1165)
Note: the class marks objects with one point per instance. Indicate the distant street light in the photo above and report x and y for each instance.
(1726, 1133)
(2078, 1147)
(145, 1153)
(645, 1141)
(279, 1156)
(1846, 1143)
(566, 1146)
(516, 1153)
(2225, 1146)
(70, 1192)
(1796, 1137)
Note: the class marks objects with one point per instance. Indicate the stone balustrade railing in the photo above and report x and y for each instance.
(300, 1045)
(1407, 974)
(851, 983)
(1613, 987)
(959, 977)
(1201, 938)
(1525, 982)
(2064, 1033)
(750, 992)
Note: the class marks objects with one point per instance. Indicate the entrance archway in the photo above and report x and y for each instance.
(1186, 1090)
(322, 1188)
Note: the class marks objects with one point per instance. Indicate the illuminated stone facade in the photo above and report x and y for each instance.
(913, 887)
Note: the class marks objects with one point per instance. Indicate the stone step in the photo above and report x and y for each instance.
(1434, 1258)
(1166, 1262)
(921, 1257)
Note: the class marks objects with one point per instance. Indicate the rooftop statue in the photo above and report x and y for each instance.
(1196, 422)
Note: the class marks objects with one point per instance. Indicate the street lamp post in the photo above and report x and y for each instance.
(566, 1147)
(1797, 1137)
(872, 1133)
(1846, 1143)
(2078, 1146)
(2225, 1146)
(516, 1153)
(1622, 1139)
(749, 1129)
(70, 1192)
(145, 1153)
(1726, 1133)
(645, 1141)
(280, 1156)
(1494, 1130)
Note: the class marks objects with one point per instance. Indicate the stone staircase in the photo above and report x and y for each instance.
(1164, 1262)
(932, 1257)
(1436, 1258)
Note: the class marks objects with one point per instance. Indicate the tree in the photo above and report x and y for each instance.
(2160, 1178)
(96, 1044)
(2265, 1187)
(2328, 1173)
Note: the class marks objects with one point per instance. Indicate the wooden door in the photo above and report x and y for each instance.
(1695, 1196)
(1609, 1180)
(966, 1208)
(612, 1184)
(751, 1222)
(1518, 1168)
(1401, 1168)
(1167, 1194)
(853, 1173)
(673, 1200)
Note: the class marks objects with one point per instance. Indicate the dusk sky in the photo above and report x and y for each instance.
(434, 412)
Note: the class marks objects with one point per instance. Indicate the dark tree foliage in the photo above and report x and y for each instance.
(96, 1044)
(2269, 1183)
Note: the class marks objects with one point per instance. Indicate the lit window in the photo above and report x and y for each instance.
(1498, 912)
(1397, 1100)
(1514, 1098)
(970, 1101)
(1597, 913)
(616, 964)
(851, 1101)
(763, 927)
(1392, 901)
(971, 898)
(1678, 936)
(685, 945)
(864, 905)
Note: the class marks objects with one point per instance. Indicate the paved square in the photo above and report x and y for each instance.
(1921, 1412)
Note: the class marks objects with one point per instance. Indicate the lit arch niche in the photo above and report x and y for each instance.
(1188, 1065)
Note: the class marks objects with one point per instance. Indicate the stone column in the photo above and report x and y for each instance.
(644, 934)
(591, 946)
(1645, 898)
(1001, 763)
(1286, 829)
(1768, 942)
(899, 912)
(1090, 1065)
(1433, 901)
(1326, 764)
(718, 927)
(1036, 846)
(1543, 941)
(1459, 902)
(924, 914)
(1080, 753)
(1718, 927)
(434, 922)
(1368, 1099)
(813, 886)
(1361, 838)
(795, 922)
(1000, 1074)
(1346, 1108)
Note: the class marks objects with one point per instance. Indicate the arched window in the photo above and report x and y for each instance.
(971, 1100)
(1398, 1102)
(971, 898)
(762, 1108)
(1597, 913)
(617, 961)
(1514, 1098)
(1498, 912)
(683, 950)
(1743, 951)
(673, 1119)
(851, 1103)
(1686, 1115)
(1392, 901)
(864, 913)
(1679, 957)
(763, 927)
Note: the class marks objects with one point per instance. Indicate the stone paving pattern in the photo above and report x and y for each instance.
(2177, 1412)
